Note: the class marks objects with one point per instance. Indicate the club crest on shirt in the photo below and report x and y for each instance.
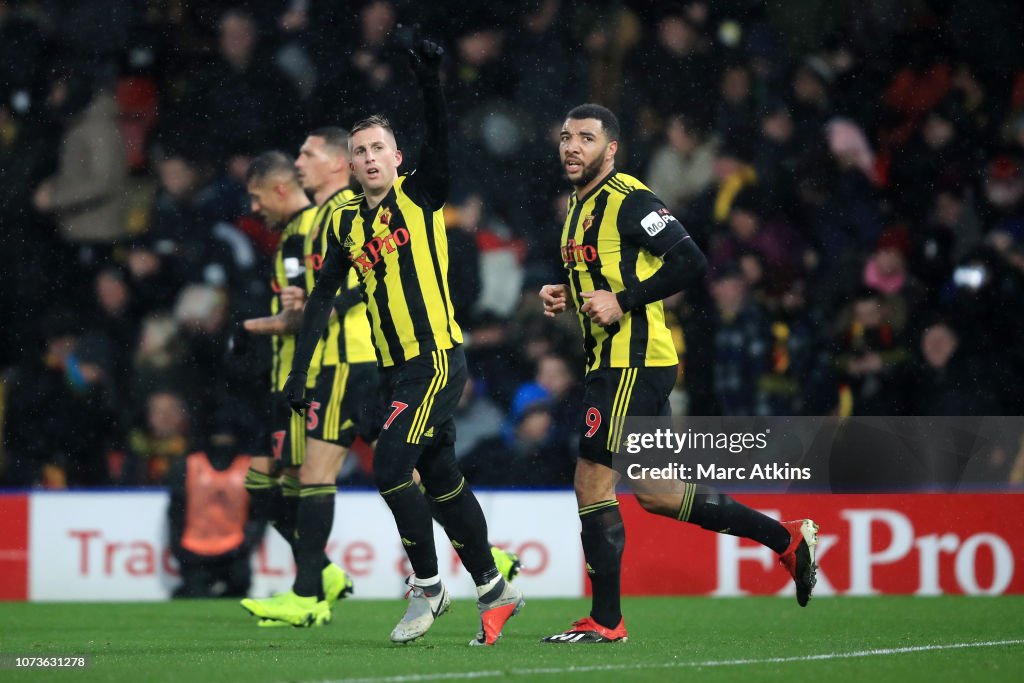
(588, 221)
(385, 217)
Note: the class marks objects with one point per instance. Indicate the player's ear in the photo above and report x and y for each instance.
(613, 147)
(398, 158)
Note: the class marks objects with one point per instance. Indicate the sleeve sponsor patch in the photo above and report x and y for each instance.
(293, 267)
(655, 221)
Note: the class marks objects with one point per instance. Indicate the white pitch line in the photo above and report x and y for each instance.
(495, 673)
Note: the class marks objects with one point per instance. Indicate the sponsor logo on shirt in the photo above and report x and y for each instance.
(578, 253)
(372, 253)
(656, 221)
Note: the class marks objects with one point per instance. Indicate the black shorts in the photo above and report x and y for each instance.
(612, 394)
(345, 404)
(287, 433)
(421, 394)
(419, 427)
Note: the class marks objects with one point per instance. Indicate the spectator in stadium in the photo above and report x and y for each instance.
(165, 438)
(539, 42)
(683, 166)
(202, 316)
(800, 379)
(811, 107)
(179, 215)
(211, 535)
(741, 345)
(987, 293)
(953, 230)
(886, 272)
(238, 85)
(777, 158)
(542, 423)
(61, 416)
(870, 359)
(481, 83)
(775, 245)
(1004, 196)
(947, 381)
(492, 358)
(158, 360)
(915, 88)
(936, 156)
(370, 69)
(117, 318)
(479, 70)
(191, 229)
(708, 213)
(462, 220)
(479, 448)
(672, 70)
(152, 274)
(86, 195)
(842, 209)
(736, 116)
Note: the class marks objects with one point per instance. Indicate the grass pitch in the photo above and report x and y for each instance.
(756, 639)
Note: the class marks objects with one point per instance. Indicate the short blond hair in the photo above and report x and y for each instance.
(375, 121)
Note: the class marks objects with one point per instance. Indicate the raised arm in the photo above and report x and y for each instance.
(431, 175)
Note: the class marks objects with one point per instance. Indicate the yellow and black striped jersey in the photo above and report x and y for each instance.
(348, 339)
(399, 251)
(289, 270)
(614, 238)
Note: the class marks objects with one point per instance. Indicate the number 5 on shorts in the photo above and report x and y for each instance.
(396, 409)
(312, 419)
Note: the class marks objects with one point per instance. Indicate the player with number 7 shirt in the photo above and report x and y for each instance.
(393, 236)
(623, 252)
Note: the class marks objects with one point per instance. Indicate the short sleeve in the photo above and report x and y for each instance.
(645, 221)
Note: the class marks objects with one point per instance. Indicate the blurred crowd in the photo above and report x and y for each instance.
(854, 171)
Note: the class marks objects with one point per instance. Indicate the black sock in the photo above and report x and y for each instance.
(458, 511)
(604, 539)
(711, 509)
(263, 491)
(287, 510)
(412, 517)
(312, 528)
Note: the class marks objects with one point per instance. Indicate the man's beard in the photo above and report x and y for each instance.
(589, 172)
